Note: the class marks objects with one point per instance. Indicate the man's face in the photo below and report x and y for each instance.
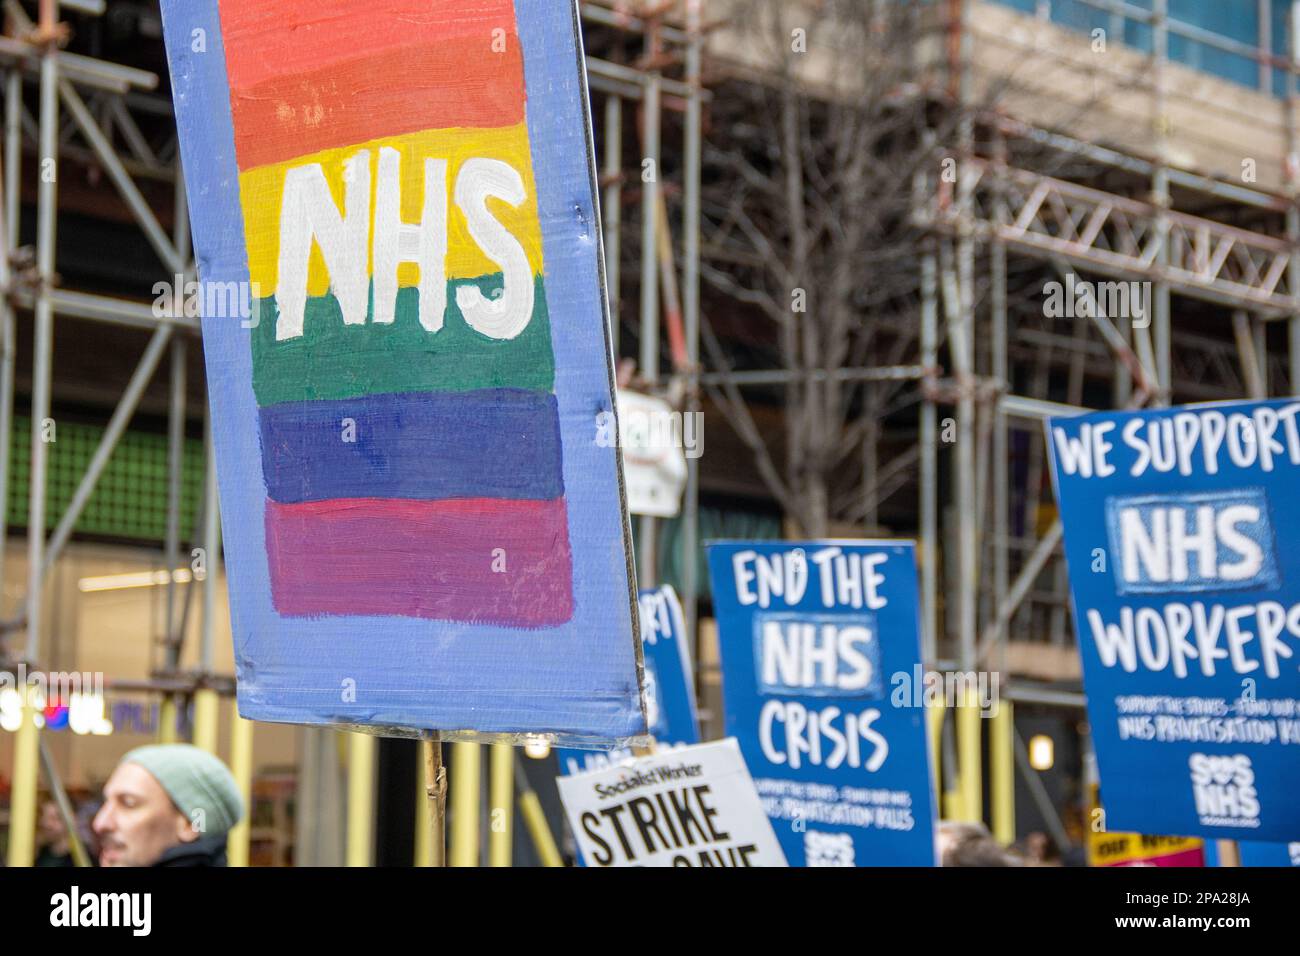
(138, 821)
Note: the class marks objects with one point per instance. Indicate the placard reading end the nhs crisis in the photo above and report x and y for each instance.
(1180, 529)
(815, 639)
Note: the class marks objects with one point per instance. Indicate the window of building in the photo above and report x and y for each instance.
(1195, 25)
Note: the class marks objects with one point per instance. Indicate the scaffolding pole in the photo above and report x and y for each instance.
(22, 806)
(690, 543)
(647, 552)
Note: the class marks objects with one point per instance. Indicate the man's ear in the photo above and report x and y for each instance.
(186, 831)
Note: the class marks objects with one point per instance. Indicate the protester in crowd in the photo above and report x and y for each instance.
(1039, 849)
(86, 814)
(52, 837)
(1075, 856)
(970, 844)
(167, 805)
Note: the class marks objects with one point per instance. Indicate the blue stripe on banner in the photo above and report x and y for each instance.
(491, 443)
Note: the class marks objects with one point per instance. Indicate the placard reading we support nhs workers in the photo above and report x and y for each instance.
(1181, 537)
(811, 634)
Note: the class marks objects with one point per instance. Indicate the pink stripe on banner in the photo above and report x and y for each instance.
(480, 561)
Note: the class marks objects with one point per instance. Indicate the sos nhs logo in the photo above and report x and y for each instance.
(1224, 789)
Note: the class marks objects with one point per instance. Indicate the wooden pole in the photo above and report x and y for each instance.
(435, 788)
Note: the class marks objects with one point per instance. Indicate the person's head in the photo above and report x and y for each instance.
(969, 844)
(49, 826)
(163, 796)
(1041, 849)
(980, 851)
(949, 833)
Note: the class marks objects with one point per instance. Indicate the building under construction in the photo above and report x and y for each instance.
(875, 242)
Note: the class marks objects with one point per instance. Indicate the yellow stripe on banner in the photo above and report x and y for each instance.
(261, 192)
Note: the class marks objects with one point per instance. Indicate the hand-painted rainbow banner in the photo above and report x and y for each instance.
(421, 529)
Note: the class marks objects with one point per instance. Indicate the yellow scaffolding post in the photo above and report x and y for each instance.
(206, 711)
(954, 807)
(530, 808)
(361, 799)
(466, 775)
(1002, 772)
(241, 765)
(501, 793)
(934, 715)
(22, 797)
(167, 720)
(968, 753)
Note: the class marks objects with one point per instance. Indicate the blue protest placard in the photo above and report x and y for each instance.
(815, 638)
(1179, 530)
(1257, 854)
(408, 355)
(669, 684)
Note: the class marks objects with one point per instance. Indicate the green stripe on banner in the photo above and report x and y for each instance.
(331, 360)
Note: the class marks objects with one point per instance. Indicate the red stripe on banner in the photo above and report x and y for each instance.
(385, 94)
(480, 561)
(268, 39)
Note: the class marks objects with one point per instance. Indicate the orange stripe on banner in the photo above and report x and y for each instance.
(268, 39)
(386, 94)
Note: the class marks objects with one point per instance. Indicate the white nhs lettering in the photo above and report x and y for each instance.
(1160, 542)
(308, 213)
(804, 655)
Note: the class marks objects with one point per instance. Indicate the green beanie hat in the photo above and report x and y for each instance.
(195, 780)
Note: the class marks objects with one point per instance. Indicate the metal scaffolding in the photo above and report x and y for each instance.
(1038, 201)
(1250, 276)
(1006, 584)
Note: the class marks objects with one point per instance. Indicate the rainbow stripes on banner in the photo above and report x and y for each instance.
(402, 362)
(422, 529)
